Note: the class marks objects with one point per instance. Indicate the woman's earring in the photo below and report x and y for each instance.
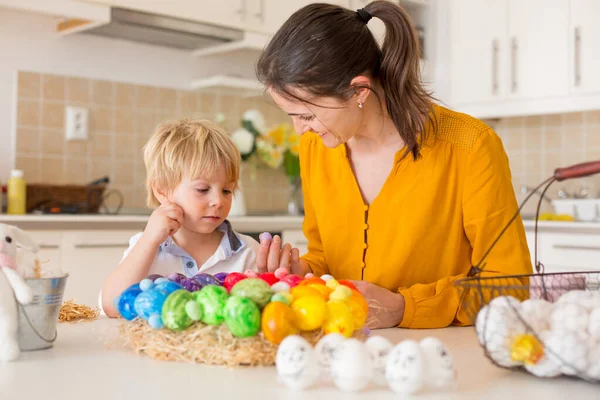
(360, 104)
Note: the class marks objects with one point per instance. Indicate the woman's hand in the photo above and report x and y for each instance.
(272, 256)
(386, 308)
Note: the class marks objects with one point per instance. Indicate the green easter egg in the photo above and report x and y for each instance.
(212, 298)
(281, 298)
(255, 289)
(242, 317)
(174, 313)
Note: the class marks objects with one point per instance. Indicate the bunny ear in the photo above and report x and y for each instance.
(24, 240)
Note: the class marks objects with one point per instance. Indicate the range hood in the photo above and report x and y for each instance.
(164, 31)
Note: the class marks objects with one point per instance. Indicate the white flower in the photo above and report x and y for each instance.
(243, 140)
(257, 119)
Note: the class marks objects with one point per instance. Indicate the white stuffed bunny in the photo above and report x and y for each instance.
(12, 289)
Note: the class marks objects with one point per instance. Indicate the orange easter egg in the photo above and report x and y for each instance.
(278, 322)
(303, 291)
(357, 296)
(339, 319)
(313, 281)
(347, 283)
(359, 315)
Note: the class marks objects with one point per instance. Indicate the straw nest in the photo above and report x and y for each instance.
(204, 344)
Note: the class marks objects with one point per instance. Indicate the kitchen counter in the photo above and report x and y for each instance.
(563, 226)
(274, 223)
(86, 363)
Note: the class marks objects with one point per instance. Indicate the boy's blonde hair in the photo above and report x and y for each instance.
(187, 148)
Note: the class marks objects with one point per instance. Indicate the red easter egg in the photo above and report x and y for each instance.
(292, 280)
(232, 278)
(347, 283)
(268, 277)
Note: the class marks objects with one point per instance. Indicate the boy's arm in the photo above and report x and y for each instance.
(132, 269)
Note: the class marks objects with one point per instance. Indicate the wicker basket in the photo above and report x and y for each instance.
(89, 198)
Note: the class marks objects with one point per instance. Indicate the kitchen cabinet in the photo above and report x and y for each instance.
(50, 243)
(584, 46)
(296, 238)
(88, 257)
(507, 49)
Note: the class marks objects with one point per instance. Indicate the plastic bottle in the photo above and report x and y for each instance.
(17, 192)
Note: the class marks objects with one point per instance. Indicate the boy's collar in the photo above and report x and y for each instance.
(230, 243)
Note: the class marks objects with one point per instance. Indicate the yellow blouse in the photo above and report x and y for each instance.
(432, 220)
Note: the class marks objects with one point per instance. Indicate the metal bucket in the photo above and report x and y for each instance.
(38, 319)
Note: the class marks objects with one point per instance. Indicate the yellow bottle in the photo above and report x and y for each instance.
(17, 192)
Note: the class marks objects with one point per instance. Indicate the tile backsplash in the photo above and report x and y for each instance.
(536, 145)
(121, 118)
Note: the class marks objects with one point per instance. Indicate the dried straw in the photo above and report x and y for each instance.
(73, 313)
(202, 343)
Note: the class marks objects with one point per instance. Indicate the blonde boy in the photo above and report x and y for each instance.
(192, 171)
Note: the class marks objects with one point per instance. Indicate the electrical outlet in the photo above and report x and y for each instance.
(76, 123)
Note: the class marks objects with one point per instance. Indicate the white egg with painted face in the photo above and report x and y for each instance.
(405, 367)
(379, 348)
(351, 368)
(327, 349)
(296, 363)
(593, 370)
(440, 364)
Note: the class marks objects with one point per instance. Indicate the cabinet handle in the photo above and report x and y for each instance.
(261, 14)
(48, 246)
(242, 10)
(578, 56)
(514, 48)
(101, 245)
(575, 247)
(495, 50)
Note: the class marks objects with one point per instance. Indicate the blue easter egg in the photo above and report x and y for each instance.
(150, 303)
(125, 302)
(167, 286)
(146, 284)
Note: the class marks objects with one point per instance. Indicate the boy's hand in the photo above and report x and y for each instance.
(164, 222)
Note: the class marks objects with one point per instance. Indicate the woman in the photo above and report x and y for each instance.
(401, 195)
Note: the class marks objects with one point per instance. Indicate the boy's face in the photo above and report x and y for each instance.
(205, 201)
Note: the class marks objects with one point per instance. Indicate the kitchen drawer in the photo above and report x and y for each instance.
(296, 238)
(569, 252)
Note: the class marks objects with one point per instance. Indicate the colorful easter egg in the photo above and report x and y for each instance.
(332, 283)
(347, 283)
(280, 287)
(251, 273)
(322, 289)
(176, 277)
(167, 286)
(277, 322)
(174, 314)
(233, 278)
(268, 277)
(303, 291)
(339, 319)
(221, 276)
(242, 316)
(125, 302)
(191, 285)
(292, 280)
(255, 289)
(206, 279)
(149, 302)
(281, 272)
(212, 298)
(283, 297)
(359, 315)
(310, 312)
(341, 293)
(154, 277)
(313, 281)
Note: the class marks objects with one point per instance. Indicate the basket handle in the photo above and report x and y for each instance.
(577, 171)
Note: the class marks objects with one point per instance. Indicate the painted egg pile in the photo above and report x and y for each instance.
(279, 304)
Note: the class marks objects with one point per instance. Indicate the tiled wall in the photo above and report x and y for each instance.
(536, 145)
(122, 117)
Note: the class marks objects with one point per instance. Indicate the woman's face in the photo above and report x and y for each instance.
(334, 120)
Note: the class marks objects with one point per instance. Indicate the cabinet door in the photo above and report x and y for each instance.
(88, 257)
(538, 65)
(276, 12)
(584, 39)
(570, 252)
(478, 50)
(223, 12)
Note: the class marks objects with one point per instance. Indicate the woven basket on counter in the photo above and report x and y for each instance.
(88, 198)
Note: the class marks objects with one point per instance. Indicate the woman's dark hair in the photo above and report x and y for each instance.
(322, 47)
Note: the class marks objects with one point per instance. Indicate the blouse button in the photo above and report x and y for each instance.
(366, 208)
(364, 246)
(366, 226)
(189, 264)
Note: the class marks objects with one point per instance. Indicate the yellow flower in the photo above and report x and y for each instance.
(277, 135)
(295, 149)
(293, 139)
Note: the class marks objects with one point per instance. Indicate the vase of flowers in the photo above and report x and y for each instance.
(276, 148)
